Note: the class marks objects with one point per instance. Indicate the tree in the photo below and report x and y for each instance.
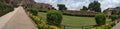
(84, 8)
(54, 17)
(94, 6)
(54, 8)
(62, 7)
(6, 1)
(100, 18)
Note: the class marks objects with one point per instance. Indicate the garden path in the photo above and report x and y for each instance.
(17, 19)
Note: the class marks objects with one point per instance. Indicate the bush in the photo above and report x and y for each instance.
(34, 11)
(5, 8)
(114, 17)
(100, 18)
(14, 4)
(105, 26)
(54, 17)
(41, 24)
(79, 15)
(53, 27)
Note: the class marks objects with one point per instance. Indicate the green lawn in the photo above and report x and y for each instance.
(74, 21)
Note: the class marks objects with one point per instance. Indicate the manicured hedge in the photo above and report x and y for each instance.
(69, 14)
(105, 26)
(34, 11)
(114, 17)
(54, 17)
(79, 15)
(100, 18)
(108, 25)
(42, 24)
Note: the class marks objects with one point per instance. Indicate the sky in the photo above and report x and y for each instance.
(78, 4)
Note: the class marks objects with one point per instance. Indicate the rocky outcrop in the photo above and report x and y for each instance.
(31, 3)
(43, 7)
(19, 1)
(110, 11)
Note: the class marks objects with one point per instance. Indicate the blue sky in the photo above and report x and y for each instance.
(78, 4)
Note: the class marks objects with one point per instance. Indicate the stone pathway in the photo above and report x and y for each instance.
(18, 19)
(117, 26)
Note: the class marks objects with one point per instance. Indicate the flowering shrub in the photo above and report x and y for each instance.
(41, 24)
(105, 26)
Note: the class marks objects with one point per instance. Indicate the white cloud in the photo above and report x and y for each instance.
(77, 4)
(109, 4)
(51, 2)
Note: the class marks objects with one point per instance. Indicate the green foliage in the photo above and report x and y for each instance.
(54, 17)
(53, 27)
(114, 17)
(62, 7)
(105, 26)
(84, 8)
(14, 4)
(34, 11)
(41, 24)
(100, 18)
(5, 8)
(95, 6)
(79, 15)
(2, 6)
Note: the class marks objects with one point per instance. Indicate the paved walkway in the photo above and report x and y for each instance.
(17, 19)
(117, 26)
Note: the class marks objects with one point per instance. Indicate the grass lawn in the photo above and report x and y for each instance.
(74, 21)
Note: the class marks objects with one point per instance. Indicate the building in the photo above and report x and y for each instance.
(44, 7)
(110, 11)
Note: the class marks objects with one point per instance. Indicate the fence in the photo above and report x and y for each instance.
(85, 27)
(77, 27)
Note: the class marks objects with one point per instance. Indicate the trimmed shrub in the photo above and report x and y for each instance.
(36, 19)
(105, 26)
(79, 15)
(41, 24)
(100, 18)
(34, 11)
(114, 17)
(54, 17)
(53, 27)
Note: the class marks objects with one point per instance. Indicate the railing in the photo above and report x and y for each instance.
(80, 27)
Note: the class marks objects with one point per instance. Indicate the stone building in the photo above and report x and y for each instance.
(110, 11)
(19, 1)
(40, 6)
(44, 7)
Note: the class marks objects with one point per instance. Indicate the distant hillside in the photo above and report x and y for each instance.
(43, 7)
(18, 1)
(30, 3)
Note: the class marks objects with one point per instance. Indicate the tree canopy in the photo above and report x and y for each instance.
(61, 7)
(84, 8)
(94, 6)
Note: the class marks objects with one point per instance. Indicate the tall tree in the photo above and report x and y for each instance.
(94, 6)
(84, 8)
(62, 7)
